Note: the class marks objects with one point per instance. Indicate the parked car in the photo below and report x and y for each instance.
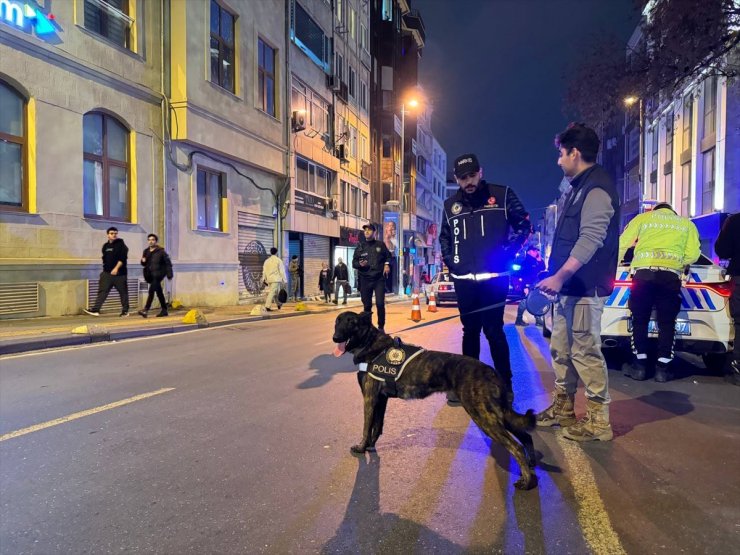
(443, 288)
(703, 326)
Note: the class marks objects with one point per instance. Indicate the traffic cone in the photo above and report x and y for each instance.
(415, 308)
(432, 306)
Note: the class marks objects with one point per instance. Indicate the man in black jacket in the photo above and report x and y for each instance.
(483, 227)
(115, 254)
(341, 274)
(727, 246)
(372, 262)
(582, 267)
(157, 265)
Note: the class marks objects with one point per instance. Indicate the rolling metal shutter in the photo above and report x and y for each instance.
(255, 238)
(18, 298)
(315, 251)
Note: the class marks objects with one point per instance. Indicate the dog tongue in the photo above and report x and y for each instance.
(339, 349)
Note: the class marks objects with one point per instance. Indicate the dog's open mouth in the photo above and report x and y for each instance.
(339, 349)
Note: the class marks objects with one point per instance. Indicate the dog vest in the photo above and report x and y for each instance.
(389, 365)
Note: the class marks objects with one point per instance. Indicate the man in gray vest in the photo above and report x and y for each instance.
(582, 267)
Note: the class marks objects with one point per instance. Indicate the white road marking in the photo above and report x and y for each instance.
(82, 414)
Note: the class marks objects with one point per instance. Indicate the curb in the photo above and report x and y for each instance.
(10, 347)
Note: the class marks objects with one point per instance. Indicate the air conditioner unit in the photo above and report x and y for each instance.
(298, 121)
(341, 152)
(333, 82)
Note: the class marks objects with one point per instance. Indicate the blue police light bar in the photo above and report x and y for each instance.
(516, 267)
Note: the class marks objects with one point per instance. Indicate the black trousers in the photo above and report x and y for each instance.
(155, 287)
(482, 305)
(108, 282)
(660, 289)
(735, 313)
(367, 288)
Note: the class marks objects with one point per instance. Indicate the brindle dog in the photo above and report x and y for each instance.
(480, 390)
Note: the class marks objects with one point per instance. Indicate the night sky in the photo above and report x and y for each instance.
(495, 72)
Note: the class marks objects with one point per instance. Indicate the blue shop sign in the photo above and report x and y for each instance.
(28, 17)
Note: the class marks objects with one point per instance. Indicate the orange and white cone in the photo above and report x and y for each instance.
(432, 306)
(415, 308)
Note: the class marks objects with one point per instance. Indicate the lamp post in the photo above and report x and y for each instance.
(629, 102)
(413, 103)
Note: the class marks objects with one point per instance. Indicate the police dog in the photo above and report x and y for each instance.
(480, 390)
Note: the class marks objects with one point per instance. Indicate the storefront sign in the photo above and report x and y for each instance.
(349, 237)
(306, 202)
(25, 16)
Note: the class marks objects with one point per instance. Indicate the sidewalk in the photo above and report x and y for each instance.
(23, 335)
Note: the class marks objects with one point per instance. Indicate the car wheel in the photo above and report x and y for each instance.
(715, 361)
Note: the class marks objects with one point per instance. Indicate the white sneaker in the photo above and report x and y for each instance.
(90, 312)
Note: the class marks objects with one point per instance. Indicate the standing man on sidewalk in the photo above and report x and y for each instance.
(483, 227)
(273, 275)
(341, 274)
(666, 244)
(372, 262)
(296, 273)
(115, 255)
(583, 264)
(727, 246)
(157, 265)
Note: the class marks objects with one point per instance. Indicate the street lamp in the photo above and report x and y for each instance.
(412, 103)
(629, 102)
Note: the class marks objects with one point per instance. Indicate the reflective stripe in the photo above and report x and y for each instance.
(708, 299)
(480, 277)
(695, 298)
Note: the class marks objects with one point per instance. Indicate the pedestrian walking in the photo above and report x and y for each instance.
(114, 274)
(727, 246)
(296, 274)
(532, 266)
(325, 285)
(341, 275)
(273, 275)
(372, 262)
(483, 227)
(582, 267)
(666, 244)
(157, 266)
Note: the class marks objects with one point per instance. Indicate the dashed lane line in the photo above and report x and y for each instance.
(82, 414)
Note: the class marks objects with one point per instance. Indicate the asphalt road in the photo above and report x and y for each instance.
(242, 446)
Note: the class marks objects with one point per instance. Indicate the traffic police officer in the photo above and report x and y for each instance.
(666, 244)
(483, 227)
(372, 262)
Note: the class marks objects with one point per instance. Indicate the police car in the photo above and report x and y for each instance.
(443, 288)
(703, 326)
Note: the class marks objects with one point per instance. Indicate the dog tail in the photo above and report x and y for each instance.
(526, 422)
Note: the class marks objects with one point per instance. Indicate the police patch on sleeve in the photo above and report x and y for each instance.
(456, 208)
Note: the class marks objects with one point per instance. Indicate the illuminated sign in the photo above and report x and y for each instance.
(27, 17)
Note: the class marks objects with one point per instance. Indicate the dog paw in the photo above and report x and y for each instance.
(525, 484)
(357, 449)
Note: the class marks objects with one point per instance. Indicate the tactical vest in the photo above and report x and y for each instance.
(480, 234)
(597, 276)
(388, 366)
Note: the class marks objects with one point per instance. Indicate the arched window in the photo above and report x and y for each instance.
(13, 148)
(106, 167)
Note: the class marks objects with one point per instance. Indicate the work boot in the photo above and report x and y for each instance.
(520, 322)
(733, 373)
(662, 373)
(635, 370)
(594, 426)
(162, 313)
(560, 413)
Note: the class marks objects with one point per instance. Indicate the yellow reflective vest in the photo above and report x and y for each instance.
(664, 240)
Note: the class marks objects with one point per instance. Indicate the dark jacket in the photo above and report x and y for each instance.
(376, 253)
(531, 267)
(341, 272)
(482, 232)
(727, 245)
(115, 252)
(325, 280)
(157, 264)
(596, 277)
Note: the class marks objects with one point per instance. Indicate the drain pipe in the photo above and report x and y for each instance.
(287, 132)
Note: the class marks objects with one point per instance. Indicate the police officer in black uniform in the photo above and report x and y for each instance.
(372, 262)
(483, 227)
